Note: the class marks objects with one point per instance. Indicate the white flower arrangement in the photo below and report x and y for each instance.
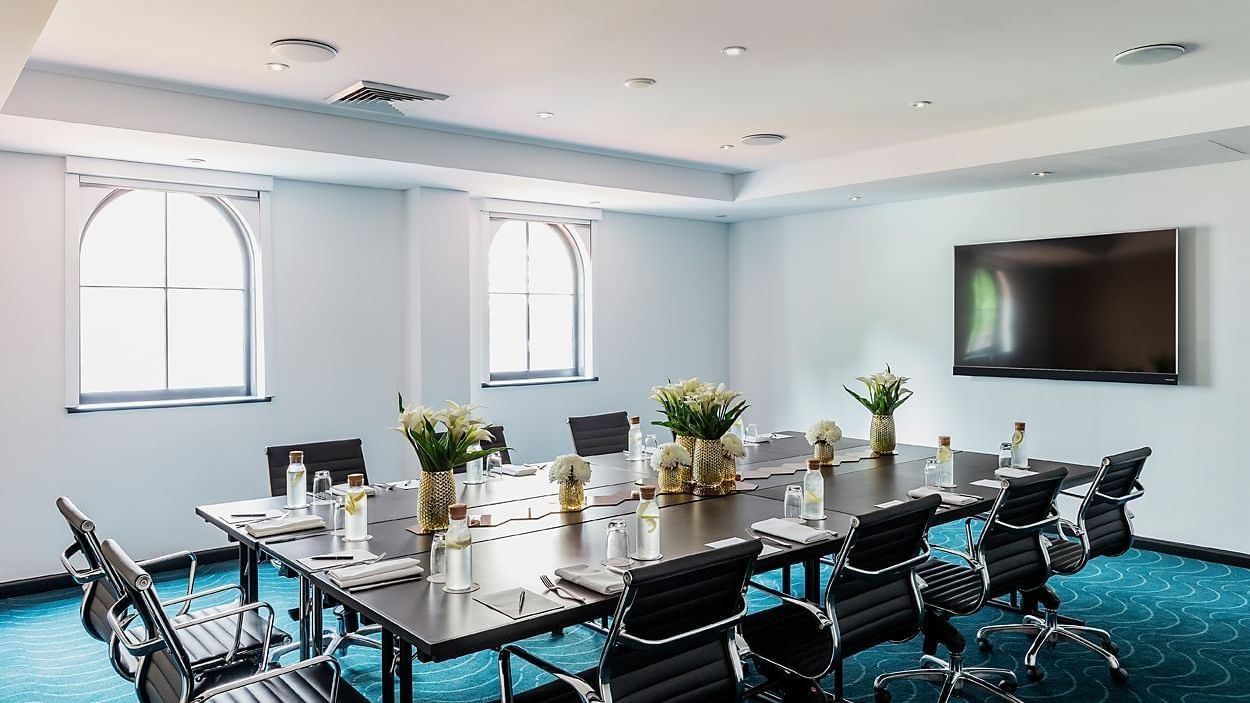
(670, 456)
(826, 431)
(569, 467)
(732, 445)
(455, 444)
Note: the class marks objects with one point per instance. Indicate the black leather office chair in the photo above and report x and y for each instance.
(600, 434)
(340, 457)
(1103, 527)
(102, 588)
(1009, 555)
(872, 597)
(167, 672)
(672, 638)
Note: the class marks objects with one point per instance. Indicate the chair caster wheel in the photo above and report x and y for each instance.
(1112, 647)
(1008, 685)
(1036, 673)
(880, 695)
(1119, 675)
(984, 645)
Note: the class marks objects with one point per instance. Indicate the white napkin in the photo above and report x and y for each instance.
(729, 541)
(791, 531)
(1013, 473)
(378, 572)
(952, 499)
(592, 577)
(517, 470)
(281, 526)
(314, 564)
(988, 483)
(341, 490)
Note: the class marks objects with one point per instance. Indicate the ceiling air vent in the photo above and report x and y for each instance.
(381, 96)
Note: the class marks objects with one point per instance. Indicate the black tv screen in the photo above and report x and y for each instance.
(1094, 308)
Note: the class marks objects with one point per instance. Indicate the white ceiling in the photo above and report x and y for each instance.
(835, 77)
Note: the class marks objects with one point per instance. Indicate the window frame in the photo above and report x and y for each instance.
(579, 249)
(247, 210)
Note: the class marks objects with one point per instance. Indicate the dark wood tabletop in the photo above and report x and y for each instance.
(444, 626)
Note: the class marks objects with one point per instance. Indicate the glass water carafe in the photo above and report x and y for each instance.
(459, 577)
(296, 483)
(813, 492)
(356, 510)
(648, 525)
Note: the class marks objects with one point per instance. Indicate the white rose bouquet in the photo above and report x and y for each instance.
(732, 446)
(886, 392)
(670, 456)
(444, 439)
(569, 468)
(826, 431)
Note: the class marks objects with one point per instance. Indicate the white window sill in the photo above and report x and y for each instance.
(555, 380)
(183, 403)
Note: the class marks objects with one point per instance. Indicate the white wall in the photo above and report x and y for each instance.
(369, 293)
(660, 310)
(820, 299)
(334, 358)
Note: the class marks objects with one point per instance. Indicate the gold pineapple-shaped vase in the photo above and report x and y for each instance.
(823, 452)
(881, 437)
(436, 491)
(729, 474)
(674, 480)
(709, 471)
(572, 495)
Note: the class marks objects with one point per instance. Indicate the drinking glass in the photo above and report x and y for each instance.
(438, 558)
(752, 433)
(650, 444)
(340, 514)
(494, 465)
(617, 552)
(1004, 455)
(932, 473)
(794, 502)
(321, 488)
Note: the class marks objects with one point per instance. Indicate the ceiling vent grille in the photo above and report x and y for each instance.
(373, 95)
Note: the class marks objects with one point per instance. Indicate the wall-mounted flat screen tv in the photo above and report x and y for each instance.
(1089, 308)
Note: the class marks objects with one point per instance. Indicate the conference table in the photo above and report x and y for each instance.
(520, 536)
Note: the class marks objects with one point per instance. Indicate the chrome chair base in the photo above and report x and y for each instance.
(1051, 630)
(952, 677)
(359, 638)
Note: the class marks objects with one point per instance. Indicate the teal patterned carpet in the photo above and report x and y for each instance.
(1183, 627)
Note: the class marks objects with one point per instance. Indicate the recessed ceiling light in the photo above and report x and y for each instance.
(639, 82)
(722, 216)
(196, 160)
(277, 66)
(726, 147)
(1042, 174)
(856, 198)
(544, 115)
(303, 50)
(762, 139)
(921, 104)
(734, 50)
(1149, 54)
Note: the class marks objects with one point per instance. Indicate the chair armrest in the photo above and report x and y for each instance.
(956, 553)
(204, 594)
(821, 616)
(273, 673)
(238, 610)
(1064, 526)
(122, 632)
(155, 563)
(585, 692)
(81, 577)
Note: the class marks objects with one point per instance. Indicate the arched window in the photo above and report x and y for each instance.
(166, 303)
(537, 310)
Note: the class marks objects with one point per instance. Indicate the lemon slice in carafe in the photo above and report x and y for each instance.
(1017, 438)
(352, 502)
(944, 455)
(650, 522)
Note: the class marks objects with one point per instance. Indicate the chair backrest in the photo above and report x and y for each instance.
(164, 674)
(340, 457)
(600, 434)
(100, 589)
(1011, 544)
(671, 640)
(1106, 527)
(496, 431)
(872, 595)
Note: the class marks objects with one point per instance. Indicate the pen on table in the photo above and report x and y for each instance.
(521, 603)
(249, 514)
(333, 557)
